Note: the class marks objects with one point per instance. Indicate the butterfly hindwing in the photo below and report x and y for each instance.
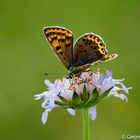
(88, 49)
(61, 41)
(108, 57)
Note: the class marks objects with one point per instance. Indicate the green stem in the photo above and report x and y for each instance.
(86, 128)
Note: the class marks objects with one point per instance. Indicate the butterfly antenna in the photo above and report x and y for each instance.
(53, 74)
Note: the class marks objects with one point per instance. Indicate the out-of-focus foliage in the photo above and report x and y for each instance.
(25, 57)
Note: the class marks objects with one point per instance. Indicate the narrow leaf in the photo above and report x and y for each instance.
(85, 95)
(76, 101)
(93, 98)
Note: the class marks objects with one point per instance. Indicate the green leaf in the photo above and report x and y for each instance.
(93, 99)
(104, 95)
(85, 96)
(64, 100)
(59, 103)
(77, 101)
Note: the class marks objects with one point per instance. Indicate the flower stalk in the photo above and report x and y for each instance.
(86, 125)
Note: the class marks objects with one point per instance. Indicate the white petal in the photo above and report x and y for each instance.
(39, 96)
(106, 84)
(57, 84)
(124, 88)
(96, 77)
(67, 94)
(66, 83)
(71, 111)
(79, 89)
(92, 112)
(108, 73)
(44, 104)
(114, 91)
(121, 96)
(89, 88)
(44, 117)
(52, 101)
(48, 83)
(118, 80)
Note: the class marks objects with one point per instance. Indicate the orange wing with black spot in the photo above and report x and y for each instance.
(61, 41)
(90, 49)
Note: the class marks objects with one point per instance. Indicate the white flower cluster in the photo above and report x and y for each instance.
(79, 92)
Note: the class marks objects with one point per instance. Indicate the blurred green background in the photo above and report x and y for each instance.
(25, 56)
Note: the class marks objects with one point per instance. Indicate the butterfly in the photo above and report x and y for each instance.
(88, 50)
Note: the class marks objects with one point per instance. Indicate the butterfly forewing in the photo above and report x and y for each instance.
(61, 41)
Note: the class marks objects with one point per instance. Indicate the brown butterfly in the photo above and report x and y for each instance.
(88, 50)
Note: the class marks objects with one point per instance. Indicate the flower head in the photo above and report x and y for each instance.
(84, 91)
